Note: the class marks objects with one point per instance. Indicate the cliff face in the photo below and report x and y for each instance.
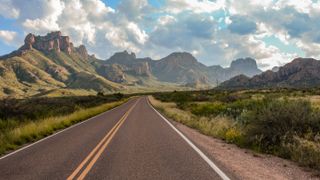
(82, 51)
(246, 66)
(52, 41)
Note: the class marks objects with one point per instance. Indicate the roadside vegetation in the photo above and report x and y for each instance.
(282, 122)
(28, 120)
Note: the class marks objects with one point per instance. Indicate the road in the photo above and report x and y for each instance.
(131, 141)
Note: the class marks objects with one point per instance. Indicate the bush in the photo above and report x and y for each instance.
(233, 135)
(208, 109)
(305, 152)
(275, 119)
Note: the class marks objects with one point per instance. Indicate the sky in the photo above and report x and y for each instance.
(215, 31)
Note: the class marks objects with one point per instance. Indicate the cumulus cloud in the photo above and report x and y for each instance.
(8, 36)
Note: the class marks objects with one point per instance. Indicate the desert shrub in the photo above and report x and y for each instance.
(305, 152)
(269, 123)
(208, 109)
(234, 135)
(236, 108)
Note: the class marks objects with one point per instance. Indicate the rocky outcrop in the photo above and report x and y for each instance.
(124, 58)
(246, 66)
(141, 68)
(52, 41)
(82, 51)
(112, 72)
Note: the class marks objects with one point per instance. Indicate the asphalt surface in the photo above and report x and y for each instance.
(131, 141)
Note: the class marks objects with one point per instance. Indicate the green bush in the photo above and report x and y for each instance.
(208, 109)
(275, 119)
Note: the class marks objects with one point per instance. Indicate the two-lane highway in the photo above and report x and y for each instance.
(132, 141)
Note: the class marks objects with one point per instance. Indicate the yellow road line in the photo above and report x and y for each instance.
(107, 138)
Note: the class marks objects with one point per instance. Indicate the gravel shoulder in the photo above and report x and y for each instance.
(246, 164)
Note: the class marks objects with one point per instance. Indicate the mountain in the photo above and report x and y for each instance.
(182, 68)
(245, 66)
(49, 62)
(179, 68)
(300, 73)
(52, 65)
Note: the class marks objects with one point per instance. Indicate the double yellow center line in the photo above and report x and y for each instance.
(91, 159)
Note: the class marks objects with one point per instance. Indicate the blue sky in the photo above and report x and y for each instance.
(214, 31)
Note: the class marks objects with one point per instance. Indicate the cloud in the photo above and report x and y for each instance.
(196, 6)
(216, 31)
(242, 25)
(8, 10)
(8, 36)
(134, 10)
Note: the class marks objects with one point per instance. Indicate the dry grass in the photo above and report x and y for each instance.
(32, 131)
(216, 126)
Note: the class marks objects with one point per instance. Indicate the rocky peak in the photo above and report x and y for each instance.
(244, 63)
(122, 57)
(82, 51)
(183, 58)
(246, 66)
(51, 41)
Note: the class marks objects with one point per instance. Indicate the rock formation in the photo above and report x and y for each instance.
(82, 51)
(52, 41)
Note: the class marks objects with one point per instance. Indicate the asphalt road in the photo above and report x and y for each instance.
(131, 141)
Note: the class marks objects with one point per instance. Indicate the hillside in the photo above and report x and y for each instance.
(300, 73)
(49, 62)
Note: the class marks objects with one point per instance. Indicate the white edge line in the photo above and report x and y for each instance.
(61, 131)
(194, 147)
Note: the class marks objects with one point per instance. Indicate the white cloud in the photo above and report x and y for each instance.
(163, 20)
(47, 21)
(8, 36)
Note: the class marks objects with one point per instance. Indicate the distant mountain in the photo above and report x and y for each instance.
(245, 66)
(300, 73)
(179, 67)
(50, 64)
(182, 68)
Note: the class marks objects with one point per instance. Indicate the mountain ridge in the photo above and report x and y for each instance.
(299, 73)
(45, 63)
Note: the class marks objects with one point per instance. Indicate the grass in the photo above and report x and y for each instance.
(214, 126)
(281, 122)
(31, 131)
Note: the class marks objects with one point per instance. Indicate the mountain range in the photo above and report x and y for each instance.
(52, 65)
(300, 73)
